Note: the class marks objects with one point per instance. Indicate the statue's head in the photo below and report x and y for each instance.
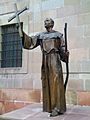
(49, 22)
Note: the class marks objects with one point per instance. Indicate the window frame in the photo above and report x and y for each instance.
(6, 32)
(17, 70)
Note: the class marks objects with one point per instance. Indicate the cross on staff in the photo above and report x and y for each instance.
(16, 15)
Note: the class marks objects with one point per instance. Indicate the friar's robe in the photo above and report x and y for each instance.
(51, 70)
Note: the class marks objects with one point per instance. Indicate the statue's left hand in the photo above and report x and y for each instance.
(67, 53)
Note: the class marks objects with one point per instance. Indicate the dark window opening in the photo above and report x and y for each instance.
(10, 47)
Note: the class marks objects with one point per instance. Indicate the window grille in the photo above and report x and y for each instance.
(10, 47)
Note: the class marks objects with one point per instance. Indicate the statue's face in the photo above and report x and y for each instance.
(48, 23)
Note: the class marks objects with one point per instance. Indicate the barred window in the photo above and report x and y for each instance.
(10, 47)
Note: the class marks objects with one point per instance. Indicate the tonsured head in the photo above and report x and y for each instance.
(48, 23)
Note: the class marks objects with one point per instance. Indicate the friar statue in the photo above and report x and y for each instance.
(52, 47)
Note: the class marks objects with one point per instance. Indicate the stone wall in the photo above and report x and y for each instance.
(77, 14)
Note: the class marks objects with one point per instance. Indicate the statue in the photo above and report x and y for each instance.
(53, 51)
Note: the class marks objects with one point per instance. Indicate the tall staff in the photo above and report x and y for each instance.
(67, 58)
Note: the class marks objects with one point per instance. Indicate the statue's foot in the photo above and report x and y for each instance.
(55, 112)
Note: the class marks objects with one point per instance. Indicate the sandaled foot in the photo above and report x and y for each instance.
(55, 112)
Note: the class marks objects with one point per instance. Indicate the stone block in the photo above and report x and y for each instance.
(87, 31)
(49, 13)
(17, 83)
(35, 96)
(84, 19)
(65, 11)
(2, 108)
(2, 83)
(71, 2)
(9, 106)
(7, 94)
(72, 43)
(71, 20)
(84, 6)
(36, 68)
(24, 95)
(6, 7)
(36, 57)
(37, 16)
(71, 97)
(85, 66)
(83, 98)
(59, 24)
(49, 5)
(79, 54)
(75, 85)
(86, 42)
(9, 83)
(76, 32)
(19, 104)
(37, 83)
(22, 3)
(37, 27)
(87, 84)
(74, 76)
(30, 17)
(83, 42)
(27, 82)
(84, 76)
(75, 66)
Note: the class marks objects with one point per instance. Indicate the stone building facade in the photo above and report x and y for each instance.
(22, 85)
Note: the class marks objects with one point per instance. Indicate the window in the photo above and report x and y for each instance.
(10, 47)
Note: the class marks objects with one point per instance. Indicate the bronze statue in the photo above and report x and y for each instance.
(53, 51)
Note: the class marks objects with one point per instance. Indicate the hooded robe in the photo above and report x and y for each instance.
(51, 44)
